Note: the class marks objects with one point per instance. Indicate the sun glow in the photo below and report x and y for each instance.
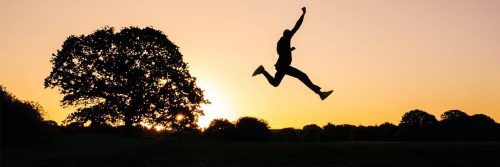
(219, 106)
(179, 117)
(149, 126)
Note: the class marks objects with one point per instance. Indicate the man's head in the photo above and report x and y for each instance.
(287, 32)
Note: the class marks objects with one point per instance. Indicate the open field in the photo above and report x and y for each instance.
(109, 150)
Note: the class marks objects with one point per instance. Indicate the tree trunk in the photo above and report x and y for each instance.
(128, 123)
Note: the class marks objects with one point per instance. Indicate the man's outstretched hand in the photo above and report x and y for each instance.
(304, 10)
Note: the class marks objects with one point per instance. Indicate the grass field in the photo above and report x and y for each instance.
(110, 150)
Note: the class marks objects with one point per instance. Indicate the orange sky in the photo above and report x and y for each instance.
(382, 58)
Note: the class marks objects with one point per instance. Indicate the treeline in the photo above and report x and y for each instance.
(415, 125)
(22, 123)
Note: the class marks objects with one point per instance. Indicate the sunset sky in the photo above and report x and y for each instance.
(383, 58)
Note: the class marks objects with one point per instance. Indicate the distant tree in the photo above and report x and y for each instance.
(345, 131)
(454, 115)
(454, 125)
(191, 132)
(333, 132)
(73, 127)
(329, 133)
(482, 121)
(364, 133)
(387, 131)
(417, 125)
(418, 119)
(50, 128)
(21, 122)
(457, 125)
(311, 132)
(288, 135)
(135, 75)
(220, 129)
(252, 129)
(481, 127)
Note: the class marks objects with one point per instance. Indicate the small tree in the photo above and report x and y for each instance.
(454, 115)
(311, 132)
(387, 131)
(220, 129)
(482, 121)
(454, 125)
(417, 125)
(252, 129)
(329, 133)
(418, 119)
(135, 75)
(288, 135)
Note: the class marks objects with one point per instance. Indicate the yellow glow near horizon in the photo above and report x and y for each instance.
(149, 126)
(219, 106)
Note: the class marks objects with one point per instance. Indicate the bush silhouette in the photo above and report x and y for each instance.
(311, 132)
(220, 129)
(329, 133)
(252, 129)
(364, 133)
(337, 132)
(387, 131)
(288, 135)
(21, 121)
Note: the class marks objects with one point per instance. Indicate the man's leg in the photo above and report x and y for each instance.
(304, 78)
(276, 80)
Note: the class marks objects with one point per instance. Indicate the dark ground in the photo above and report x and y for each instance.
(109, 150)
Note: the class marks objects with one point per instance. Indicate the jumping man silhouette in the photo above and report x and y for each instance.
(285, 60)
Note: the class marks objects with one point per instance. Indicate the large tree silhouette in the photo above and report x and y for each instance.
(135, 75)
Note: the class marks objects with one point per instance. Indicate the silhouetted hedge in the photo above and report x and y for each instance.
(22, 122)
(415, 125)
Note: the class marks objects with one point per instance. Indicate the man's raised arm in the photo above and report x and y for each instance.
(299, 22)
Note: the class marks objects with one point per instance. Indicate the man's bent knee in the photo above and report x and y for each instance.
(275, 84)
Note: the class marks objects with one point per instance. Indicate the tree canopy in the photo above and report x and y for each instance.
(21, 121)
(221, 129)
(131, 76)
(453, 115)
(253, 129)
(418, 119)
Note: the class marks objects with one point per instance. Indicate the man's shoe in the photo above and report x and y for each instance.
(258, 71)
(324, 95)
